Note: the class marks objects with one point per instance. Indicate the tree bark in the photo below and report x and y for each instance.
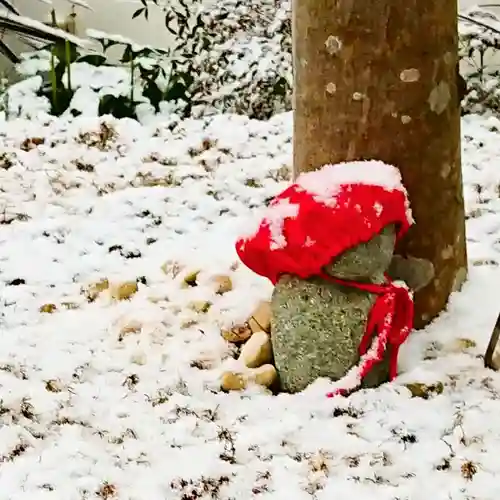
(378, 81)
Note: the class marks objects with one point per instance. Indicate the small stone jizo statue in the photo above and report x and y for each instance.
(327, 243)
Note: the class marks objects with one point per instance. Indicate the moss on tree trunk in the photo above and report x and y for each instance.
(379, 81)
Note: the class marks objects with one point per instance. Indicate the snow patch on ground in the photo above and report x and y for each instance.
(89, 412)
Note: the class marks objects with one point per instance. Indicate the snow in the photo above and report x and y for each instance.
(325, 184)
(123, 40)
(275, 217)
(91, 409)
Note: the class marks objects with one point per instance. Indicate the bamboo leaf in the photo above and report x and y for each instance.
(7, 52)
(35, 29)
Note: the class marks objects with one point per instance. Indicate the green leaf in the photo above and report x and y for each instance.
(93, 59)
(138, 12)
(128, 55)
(119, 107)
(153, 94)
(60, 102)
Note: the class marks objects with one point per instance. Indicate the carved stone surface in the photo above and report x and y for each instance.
(317, 325)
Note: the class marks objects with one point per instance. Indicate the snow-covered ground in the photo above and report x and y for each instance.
(111, 398)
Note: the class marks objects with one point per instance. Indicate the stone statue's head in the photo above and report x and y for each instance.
(367, 260)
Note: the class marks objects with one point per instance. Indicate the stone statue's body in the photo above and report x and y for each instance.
(317, 325)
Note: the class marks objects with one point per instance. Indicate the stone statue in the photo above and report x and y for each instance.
(327, 243)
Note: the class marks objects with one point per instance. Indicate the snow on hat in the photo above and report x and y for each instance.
(323, 214)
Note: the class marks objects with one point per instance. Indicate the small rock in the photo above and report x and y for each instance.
(124, 291)
(31, 143)
(94, 290)
(462, 344)
(257, 351)
(260, 320)
(188, 323)
(264, 376)
(200, 306)
(190, 278)
(232, 381)
(425, 391)
(238, 334)
(223, 284)
(48, 308)
(53, 385)
(171, 268)
(129, 329)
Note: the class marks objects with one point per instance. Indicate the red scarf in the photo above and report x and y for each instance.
(390, 321)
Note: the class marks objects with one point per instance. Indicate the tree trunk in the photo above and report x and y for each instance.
(379, 82)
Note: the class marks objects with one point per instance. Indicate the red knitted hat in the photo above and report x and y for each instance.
(323, 214)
